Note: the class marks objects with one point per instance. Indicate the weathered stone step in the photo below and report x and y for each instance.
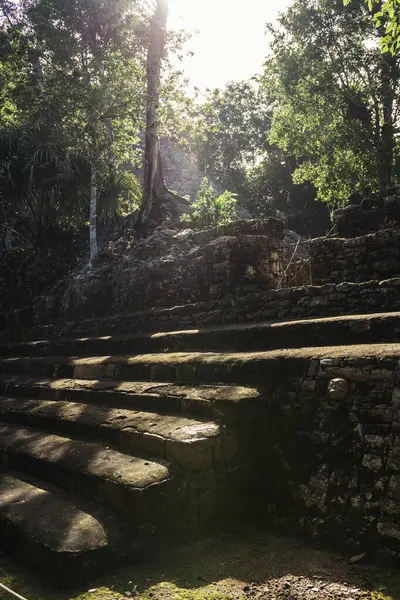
(186, 442)
(209, 401)
(329, 331)
(182, 367)
(138, 489)
(243, 368)
(57, 533)
(273, 305)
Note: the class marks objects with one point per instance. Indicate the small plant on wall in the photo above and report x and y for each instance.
(210, 210)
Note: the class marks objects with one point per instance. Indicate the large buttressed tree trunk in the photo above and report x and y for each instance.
(93, 247)
(389, 72)
(389, 79)
(154, 187)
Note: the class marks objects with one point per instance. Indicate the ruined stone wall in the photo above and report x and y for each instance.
(172, 267)
(373, 214)
(332, 443)
(264, 305)
(259, 305)
(369, 257)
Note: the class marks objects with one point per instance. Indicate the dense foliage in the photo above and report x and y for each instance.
(72, 100)
(386, 15)
(317, 129)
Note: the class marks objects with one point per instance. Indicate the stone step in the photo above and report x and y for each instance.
(329, 331)
(207, 401)
(273, 305)
(193, 368)
(139, 489)
(66, 538)
(189, 443)
(179, 367)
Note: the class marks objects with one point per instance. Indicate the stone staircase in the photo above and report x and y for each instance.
(276, 406)
(102, 452)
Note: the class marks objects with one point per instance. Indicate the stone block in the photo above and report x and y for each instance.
(186, 373)
(381, 374)
(195, 455)
(330, 362)
(308, 385)
(377, 443)
(371, 462)
(315, 493)
(393, 491)
(162, 373)
(154, 445)
(391, 507)
(227, 449)
(347, 373)
(313, 368)
(130, 440)
(396, 397)
(93, 371)
(389, 529)
(380, 414)
(319, 301)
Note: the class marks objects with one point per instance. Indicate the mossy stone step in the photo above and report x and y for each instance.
(208, 401)
(68, 539)
(329, 331)
(182, 367)
(137, 488)
(186, 442)
(193, 368)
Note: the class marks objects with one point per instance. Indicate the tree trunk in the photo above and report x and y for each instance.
(154, 187)
(93, 200)
(389, 78)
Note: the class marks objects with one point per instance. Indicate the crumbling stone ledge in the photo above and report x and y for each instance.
(270, 305)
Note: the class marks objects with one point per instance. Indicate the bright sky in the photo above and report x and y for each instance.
(231, 44)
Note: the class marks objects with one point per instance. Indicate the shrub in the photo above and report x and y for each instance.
(210, 210)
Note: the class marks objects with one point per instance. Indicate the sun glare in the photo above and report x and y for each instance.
(231, 42)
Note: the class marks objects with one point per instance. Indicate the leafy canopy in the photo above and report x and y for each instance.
(335, 98)
(387, 18)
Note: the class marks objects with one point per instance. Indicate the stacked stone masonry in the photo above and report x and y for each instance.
(174, 267)
(373, 214)
(315, 433)
(334, 450)
(376, 255)
(182, 357)
(266, 305)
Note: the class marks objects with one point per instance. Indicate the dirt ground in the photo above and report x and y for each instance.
(250, 565)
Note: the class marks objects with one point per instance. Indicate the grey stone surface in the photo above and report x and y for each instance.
(369, 257)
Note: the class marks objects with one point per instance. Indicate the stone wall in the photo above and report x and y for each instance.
(172, 267)
(369, 257)
(373, 214)
(262, 305)
(332, 443)
(291, 303)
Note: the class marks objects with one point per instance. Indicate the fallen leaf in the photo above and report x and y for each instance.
(357, 558)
